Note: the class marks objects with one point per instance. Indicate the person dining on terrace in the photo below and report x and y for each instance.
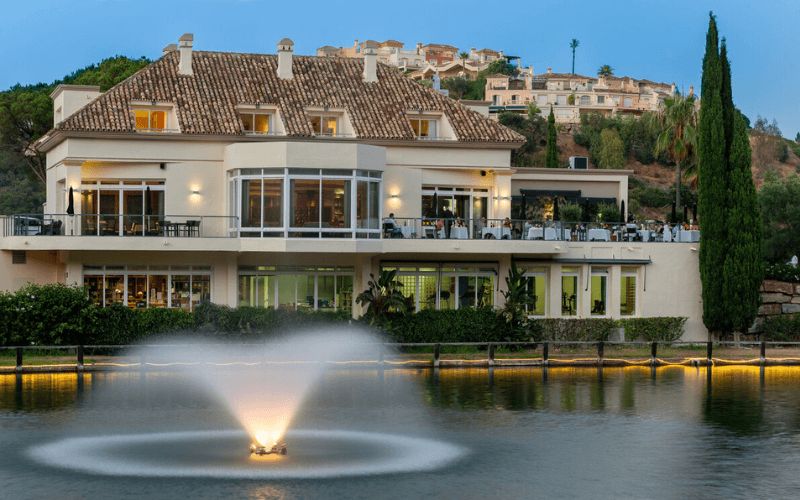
(507, 222)
(448, 217)
(392, 226)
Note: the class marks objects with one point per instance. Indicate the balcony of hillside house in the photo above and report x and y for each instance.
(441, 228)
(117, 225)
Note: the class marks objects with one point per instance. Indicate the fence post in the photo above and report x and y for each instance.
(709, 351)
(545, 353)
(436, 355)
(600, 347)
(19, 360)
(491, 354)
(380, 356)
(763, 353)
(653, 353)
(80, 358)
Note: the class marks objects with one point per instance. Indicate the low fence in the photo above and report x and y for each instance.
(545, 359)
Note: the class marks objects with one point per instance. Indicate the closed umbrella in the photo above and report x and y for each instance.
(694, 213)
(674, 217)
(555, 208)
(622, 211)
(148, 203)
(586, 216)
(71, 203)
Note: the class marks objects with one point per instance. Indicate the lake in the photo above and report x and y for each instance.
(637, 432)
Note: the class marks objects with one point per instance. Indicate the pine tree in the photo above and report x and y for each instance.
(712, 185)
(551, 159)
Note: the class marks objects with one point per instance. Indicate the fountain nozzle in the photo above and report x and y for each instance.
(257, 449)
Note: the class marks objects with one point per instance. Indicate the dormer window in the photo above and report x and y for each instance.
(424, 128)
(153, 120)
(325, 125)
(257, 123)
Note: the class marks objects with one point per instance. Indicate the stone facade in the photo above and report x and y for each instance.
(777, 298)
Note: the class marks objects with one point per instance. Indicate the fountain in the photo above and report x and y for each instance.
(263, 386)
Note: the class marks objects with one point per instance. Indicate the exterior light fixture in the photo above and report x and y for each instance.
(195, 192)
(258, 105)
(420, 110)
(153, 102)
(394, 196)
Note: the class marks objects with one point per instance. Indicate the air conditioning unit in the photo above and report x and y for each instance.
(578, 162)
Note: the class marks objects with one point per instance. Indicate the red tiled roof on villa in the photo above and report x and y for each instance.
(206, 102)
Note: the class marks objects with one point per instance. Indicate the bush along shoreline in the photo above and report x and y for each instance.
(56, 314)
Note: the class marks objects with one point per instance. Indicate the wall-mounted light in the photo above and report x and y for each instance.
(420, 110)
(325, 108)
(154, 102)
(258, 105)
(195, 192)
(394, 196)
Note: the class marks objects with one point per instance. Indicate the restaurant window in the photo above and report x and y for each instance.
(538, 285)
(599, 291)
(424, 128)
(320, 288)
(142, 287)
(627, 300)
(153, 120)
(121, 208)
(325, 125)
(446, 287)
(257, 123)
(569, 291)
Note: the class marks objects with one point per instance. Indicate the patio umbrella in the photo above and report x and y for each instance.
(436, 205)
(622, 211)
(674, 217)
(148, 204)
(694, 213)
(71, 203)
(555, 208)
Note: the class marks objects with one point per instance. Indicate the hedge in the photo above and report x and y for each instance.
(590, 329)
(223, 320)
(463, 325)
(781, 328)
(660, 329)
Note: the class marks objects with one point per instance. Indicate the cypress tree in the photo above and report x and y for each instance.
(730, 245)
(551, 159)
(712, 184)
(743, 271)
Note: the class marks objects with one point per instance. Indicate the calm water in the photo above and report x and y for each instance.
(676, 432)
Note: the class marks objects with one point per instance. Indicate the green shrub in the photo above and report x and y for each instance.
(782, 328)
(577, 330)
(782, 272)
(609, 213)
(463, 325)
(52, 314)
(214, 318)
(661, 329)
(119, 325)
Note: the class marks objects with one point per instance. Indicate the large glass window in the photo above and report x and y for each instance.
(297, 287)
(180, 287)
(599, 289)
(320, 202)
(627, 300)
(152, 120)
(569, 291)
(121, 208)
(470, 205)
(257, 123)
(538, 285)
(446, 287)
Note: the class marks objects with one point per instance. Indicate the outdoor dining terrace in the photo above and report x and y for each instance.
(542, 230)
(178, 226)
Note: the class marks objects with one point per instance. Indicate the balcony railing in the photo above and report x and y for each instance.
(202, 226)
(533, 230)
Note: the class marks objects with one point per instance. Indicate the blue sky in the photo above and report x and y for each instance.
(662, 41)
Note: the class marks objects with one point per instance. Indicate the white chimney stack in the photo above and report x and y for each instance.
(370, 61)
(285, 48)
(473, 53)
(419, 48)
(185, 43)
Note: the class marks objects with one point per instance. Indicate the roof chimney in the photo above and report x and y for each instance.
(473, 54)
(285, 48)
(356, 44)
(370, 61)
(549, 70)
(169, 48)
(185, 42)
(691, 90)
(419, 48)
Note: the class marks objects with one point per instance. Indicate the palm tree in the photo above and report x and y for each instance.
(573, 46)
(605, 70)
(677, 120)
(382, 296)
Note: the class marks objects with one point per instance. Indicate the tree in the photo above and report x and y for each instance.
(605, 70)
(551, 159)
(797, 137)
(730, 245)
(532, 127)
(457, 85)
(768, 142)
(382, 296)
(519, 298)
(464, 55)
(501, 66)
(26, 112)
(573, 46)
(612, 151)
(677, 120)
(780, 216)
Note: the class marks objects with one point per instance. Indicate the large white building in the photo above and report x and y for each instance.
(265, 180)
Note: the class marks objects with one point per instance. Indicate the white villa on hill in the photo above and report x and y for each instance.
(267, 180)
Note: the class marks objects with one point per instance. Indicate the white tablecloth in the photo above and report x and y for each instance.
(688, 236)
(644, 234)
(429, 231)
(408, 231)
(497, 232)
(598, 235)
(459, 233)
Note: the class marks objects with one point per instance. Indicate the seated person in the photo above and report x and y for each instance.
(392, 225)
(460, 223)
(481, 223)
(507, 222)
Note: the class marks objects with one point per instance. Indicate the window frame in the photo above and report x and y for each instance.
(169, 119)
(432, 121)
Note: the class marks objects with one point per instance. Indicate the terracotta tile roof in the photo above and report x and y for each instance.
(206, 102)
(440, 46)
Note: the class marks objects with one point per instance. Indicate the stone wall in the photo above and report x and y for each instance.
(777, 298)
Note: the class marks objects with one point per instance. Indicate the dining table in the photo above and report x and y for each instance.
(496, 232)
(688, 236)
(408, 231)
(459, 233)
(598, 235)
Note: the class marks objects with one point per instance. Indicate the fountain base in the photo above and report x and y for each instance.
(256, 449)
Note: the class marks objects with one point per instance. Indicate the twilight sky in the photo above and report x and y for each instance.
(43, 40)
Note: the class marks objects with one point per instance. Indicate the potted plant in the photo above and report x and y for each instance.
(571, 213)
(610, 214)
(571, 99)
